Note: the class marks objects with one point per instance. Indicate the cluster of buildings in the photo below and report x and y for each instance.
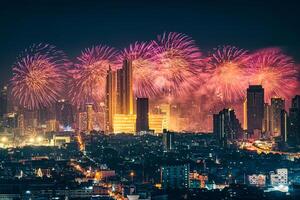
(261, 120)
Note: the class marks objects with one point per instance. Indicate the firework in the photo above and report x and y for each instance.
(275, 71)
(89, 75)
(38, 76)
(228, 77)
(141, 55)
(178, 60)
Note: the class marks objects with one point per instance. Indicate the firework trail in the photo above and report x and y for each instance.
(275, 71)
(228, 74)
(38, 76)
(89, 75)
(141, 55)
(178, 61)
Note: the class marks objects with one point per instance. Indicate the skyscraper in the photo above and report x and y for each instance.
(255, 108)
(175, 176)
(267, 119)
(3, 101)
(124, 89)
(89, 117)
(226, 126)
(64, 113)
(294, 121)
(168, 141)
(277, 105)
(284, 121)
(142, 114)
(110, 99)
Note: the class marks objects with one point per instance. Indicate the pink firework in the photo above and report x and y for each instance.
(89, 75)
(275, 71)
(38, 76)
(178, 61)
(141, 55)
(228, 77)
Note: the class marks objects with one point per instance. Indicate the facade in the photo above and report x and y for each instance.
(277, 105)
(3, 101)
(257, 180)
(89, 117)
(255, 108)
(123, 123)
(168, 141)
(142, 114)
(279, 178)
(267, 119)
(284, 122)
(175, 176)
(64, 113)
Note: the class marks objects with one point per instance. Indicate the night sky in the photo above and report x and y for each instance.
(75, 25)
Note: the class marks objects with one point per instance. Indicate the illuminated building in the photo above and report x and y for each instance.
(142, 114)
(123, 123)
(255, 108)
(294, 121)
(280, 177)
(245, 114)
(277, 105)
(226, 126)
(59, 140)
(284, 121)
(267, 119)
(175, 176)
(89, 117)
(81, 121)
(197, 180)
(157, 122)
(110, 99)
(166, 110)
(3, 101)
(257, 180)
(52, 125)
(125, 89)
(21, 124)
(168, 141)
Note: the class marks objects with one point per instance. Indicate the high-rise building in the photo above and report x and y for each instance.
(267, 119)
(255, 108)
(226, 126)
(123, 123)
(277, 105)
(89, 117)
(110, 99)
(64, 113)
(175, 176)
(245, 125)
(125, 89)
(284, 122)
(158, 122)
(3, 101)
(280, 177)
(168, 141)
(142, 114)
(294, 121)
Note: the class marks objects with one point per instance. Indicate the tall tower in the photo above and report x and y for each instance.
(110, 99)
(142, 117)
(277, 105)
(89, 117)
(255, 108)
(125, 89)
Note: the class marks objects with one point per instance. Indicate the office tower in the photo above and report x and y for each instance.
(168, 140)
(142, 114)
(280, 177)
(226, 126)
(284, 121)
(3, 101)
(81, 121)
(277, 105)
(267, 119)
(158, 122)
(245, 126)
(89, 117)
(125, 89)
(294, 121)
(255, 108)
(175, 176)
(124, 123)
(110, 99)
(64, 113)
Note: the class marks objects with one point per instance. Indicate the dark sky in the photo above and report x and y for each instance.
(74, 25)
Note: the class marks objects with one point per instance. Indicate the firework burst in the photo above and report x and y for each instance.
(178, 60)
(38, 76)
(89, 75)
(228, 77)
(275, 71)
(141, 55)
